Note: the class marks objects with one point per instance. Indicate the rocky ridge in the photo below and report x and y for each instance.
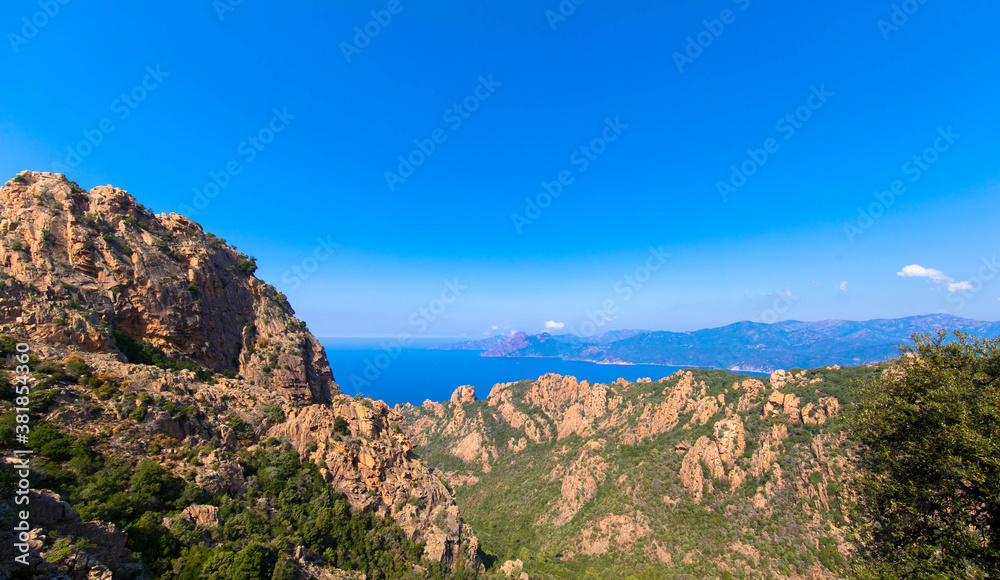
(85, 274)
(621, 470)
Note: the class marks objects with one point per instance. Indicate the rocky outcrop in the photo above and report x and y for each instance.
(464, 394)
(617, 468)
(579, 483)
(202, 515)
(714, 456)
(93, 274)
(106, 555)
(376, 468)
(222, 476)
(752, 389)
(514, 569)
(827, 408)
(80, 264)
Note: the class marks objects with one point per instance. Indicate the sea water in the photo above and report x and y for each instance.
(418, 374)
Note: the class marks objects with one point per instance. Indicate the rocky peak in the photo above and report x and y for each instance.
(79, 265)
(464, 394)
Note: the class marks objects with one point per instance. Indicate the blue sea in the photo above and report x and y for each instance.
(417, 374)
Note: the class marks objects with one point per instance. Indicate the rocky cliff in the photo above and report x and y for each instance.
(81, 264)
(699, 474)
(93, 281)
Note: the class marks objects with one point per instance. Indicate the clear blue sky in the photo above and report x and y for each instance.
(869, 97)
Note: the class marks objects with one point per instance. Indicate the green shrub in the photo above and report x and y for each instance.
(75, 365)
(106, 390)
(274, 412)
(341, 426)
(145, 353)
(48, 442)
(281, 299)
(214, 241)
(254, 562)
(283, 570)
(243, 429)
(247, 265)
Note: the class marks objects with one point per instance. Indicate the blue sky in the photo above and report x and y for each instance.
(301, 117)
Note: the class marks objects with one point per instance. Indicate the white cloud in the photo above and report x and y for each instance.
(553, 325)
(843, 286)
(494, 327)
(918, 271)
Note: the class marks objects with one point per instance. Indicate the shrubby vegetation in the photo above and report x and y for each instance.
(286, 504)
(142, 352)
(929, 463)
(247, 265)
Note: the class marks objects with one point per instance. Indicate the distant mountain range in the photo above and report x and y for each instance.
(743, 346)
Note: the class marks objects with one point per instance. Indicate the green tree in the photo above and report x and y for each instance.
(929, 463)
(283, 570)
(255, 562)
(219, 566)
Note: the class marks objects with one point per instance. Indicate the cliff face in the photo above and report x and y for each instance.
(79, 264)
(702, 473)
(93, 275)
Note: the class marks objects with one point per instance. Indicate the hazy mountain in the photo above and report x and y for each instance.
(748, 346)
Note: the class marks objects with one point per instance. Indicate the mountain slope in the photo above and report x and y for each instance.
(702, 474)
(153, 347)
(746, 346)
